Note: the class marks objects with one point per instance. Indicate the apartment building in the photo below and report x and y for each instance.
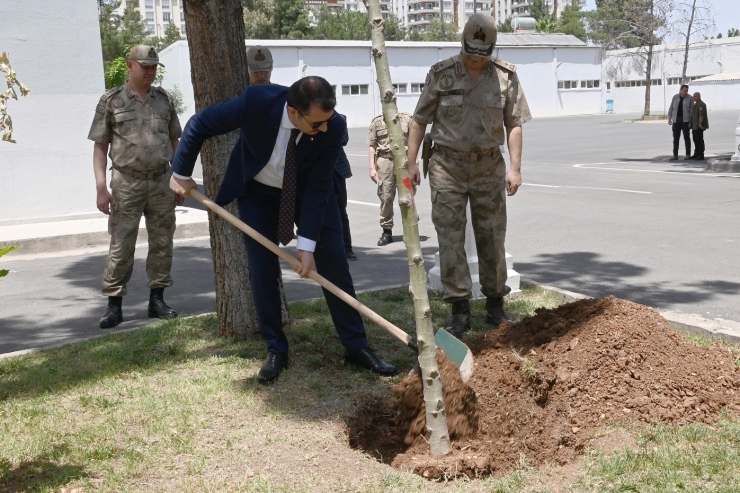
(387, 7)
(158, 13)
(503, 9)
(421, 12)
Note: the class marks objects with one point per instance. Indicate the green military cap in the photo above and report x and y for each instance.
(479, 35)
(145, 55)
(259, 59)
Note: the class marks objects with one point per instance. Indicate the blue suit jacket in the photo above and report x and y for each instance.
(257, 113)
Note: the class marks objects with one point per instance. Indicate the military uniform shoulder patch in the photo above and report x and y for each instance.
(112, 92)
(443, 65)
(504, 64)
(446, 81)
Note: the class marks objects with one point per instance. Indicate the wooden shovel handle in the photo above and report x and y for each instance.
(325, 283)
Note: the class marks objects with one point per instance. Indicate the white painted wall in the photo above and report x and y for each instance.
(351, 62)
(668, 63)
(55, 49)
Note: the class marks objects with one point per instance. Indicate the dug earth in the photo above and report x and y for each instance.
(545, 386)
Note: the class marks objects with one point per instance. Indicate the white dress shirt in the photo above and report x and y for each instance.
(272, 174)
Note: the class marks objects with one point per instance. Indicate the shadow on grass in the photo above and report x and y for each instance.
(39, 474)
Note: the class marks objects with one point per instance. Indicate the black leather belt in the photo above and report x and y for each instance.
(470, 157)
(143, 175)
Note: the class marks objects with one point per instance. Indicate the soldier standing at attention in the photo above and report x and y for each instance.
(259, 65)
(139, 124)
(470, 99)
(382, 172)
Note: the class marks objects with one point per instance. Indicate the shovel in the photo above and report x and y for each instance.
(453, 347)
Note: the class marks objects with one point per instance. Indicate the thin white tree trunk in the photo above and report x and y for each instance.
(436, 417)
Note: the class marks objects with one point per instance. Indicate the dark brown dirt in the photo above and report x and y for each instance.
(543, 388)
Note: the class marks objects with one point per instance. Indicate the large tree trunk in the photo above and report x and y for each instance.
(218, 60)
(649, 61)
(688, 40)
(436, 416)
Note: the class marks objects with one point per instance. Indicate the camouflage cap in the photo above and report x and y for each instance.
(145, 55)
(259, 59)
(479, 35)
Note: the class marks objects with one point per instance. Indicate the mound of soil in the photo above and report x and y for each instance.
(542, 388)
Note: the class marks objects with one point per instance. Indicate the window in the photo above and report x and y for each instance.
(429, 6)
(567, 84)
(430, 16)
(149, 4)
(417, 88)
(354, 89)
(182, 29)
(166, 16)
(150, 16)
(608, 86)
(589, 84)
(150, 28)
(182, 16)
(165, 4)
(447, 5)
(400, 88)
(468, 6)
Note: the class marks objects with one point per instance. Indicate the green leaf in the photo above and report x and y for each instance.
(7, 249)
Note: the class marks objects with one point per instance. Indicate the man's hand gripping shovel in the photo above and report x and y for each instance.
(455, 349)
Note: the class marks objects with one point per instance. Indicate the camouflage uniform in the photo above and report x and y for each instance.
(139, 134)
(377, 136)
(468, 119)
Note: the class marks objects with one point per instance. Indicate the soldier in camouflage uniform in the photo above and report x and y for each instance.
(382, 172)
(470, 99)
(140, 125)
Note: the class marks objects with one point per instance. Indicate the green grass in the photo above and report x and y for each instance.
(174, 407)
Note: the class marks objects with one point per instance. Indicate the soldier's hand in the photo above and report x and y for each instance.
(105, 201)
(179, 199)
(182, 187)
(414, 173)
(513, 182)
(374, 175)
(307, 263)
(670, 122)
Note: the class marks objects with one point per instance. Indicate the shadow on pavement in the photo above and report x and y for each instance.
(586, 273)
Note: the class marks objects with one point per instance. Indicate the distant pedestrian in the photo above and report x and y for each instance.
(381, 169)
(259, 65)
(679, 117)
(699, 123)
(139, 123)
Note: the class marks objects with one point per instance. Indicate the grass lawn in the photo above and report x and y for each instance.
(174, 407)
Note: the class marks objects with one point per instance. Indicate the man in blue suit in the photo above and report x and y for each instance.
(281, 172)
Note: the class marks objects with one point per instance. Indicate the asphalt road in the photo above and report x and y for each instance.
(602, 212)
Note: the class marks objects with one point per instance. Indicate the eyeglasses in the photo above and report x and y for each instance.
(315, 125)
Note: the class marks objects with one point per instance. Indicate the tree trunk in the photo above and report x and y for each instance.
(436, 416)
(218, 61)
(688, 40)
(649, 61)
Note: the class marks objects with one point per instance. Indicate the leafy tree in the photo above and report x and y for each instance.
(177, 99)
(340, 24)
(171, 35)
(116, 73)
(394, 30)
(572, 21)
(440, 30)
(505, 26)
(117, 32)
(11, 82)
(732, 33)
(291, 19)
(259, 19)
(540, 10)
(547, 25)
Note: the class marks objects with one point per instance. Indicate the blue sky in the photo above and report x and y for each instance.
(727, 14)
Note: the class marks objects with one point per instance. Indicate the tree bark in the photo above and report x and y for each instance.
(649, 61)
(688, 40)
(436, 416)
(218, 60)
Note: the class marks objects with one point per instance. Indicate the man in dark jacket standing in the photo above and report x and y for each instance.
(699, 123)
(679, 117)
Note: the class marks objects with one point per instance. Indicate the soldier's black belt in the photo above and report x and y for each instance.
(143, 175)
(470, 157)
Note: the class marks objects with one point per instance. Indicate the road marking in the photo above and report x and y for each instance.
(679, 173)
(357, 202)
(358, 155)
(587, 188)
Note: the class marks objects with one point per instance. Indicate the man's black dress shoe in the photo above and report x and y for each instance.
(350, 254)
(157, 307)
(367, 359)
(271, 368)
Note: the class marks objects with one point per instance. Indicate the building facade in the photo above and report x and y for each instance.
(421, 12)
(158, 14)
(505, 9)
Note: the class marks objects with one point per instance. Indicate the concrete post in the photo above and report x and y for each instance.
(736, 157)
(434, 280)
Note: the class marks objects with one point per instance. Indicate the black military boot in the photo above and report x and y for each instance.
(496, 313)
(460, 318)
(114, 315)
(385, 238)
(157, 307)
